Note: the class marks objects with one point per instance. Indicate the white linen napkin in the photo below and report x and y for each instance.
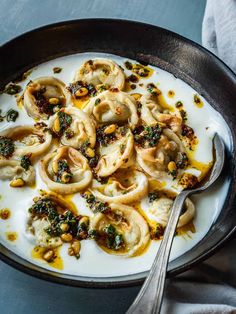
(219, 30)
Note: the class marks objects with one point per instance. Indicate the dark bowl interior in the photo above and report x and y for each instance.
(153, 45)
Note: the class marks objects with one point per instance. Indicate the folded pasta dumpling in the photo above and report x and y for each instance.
(152, 112)
(115, 150)
(74, 127)
(161, 207)
(124, 187)
(121, 231)
(101, 71)
(65, 171)
(43, 96)
(157, 157)
(12, 170)
(27, 140)
(113, 106)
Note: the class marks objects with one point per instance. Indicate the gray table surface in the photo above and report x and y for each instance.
(20, 293)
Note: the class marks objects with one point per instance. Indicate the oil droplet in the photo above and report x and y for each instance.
(5, 213)
(197, 101)
(171, 93)
(11, 236)
(186, 229)
(57, 262)
(80, 102)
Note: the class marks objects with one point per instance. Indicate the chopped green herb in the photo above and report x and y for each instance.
(12, 89)
(25, 162)
(152, 196)
(6, 146)
(64, 173)
(65, 121)
(181, 160)
(95, 205)
(115, 240)
(12, 115)
(97, 101)
(147, 136)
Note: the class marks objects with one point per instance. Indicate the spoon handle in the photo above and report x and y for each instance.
(149, 299)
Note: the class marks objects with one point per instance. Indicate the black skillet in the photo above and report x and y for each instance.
(149, 44)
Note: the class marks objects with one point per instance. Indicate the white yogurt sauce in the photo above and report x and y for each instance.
(93, 261)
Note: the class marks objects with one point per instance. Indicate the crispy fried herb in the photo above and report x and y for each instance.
(47, 208)
(69, 134)
(183, 114)
(44, 207)
(97, 101)
(187, 131)
(157, 232)
(102, 138)
(179, 104)
(128, 65)
(65, 121)
(6, 146)
(114, 240)
(147, 136)
(152, 89)
(1, 117)
(95, 205)
(133, 78)
(173, 173)
(181, 160)
(42, 102)
(25, 162)
(12, 89)
(12, 115)
(73, 87)
(63, 170)
(152, 196)
(57, 70)
(196, 99)
(92, 160)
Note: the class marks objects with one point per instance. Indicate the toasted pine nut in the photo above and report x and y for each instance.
(90, 152)
(17, 183)
(81, 92)
(171, 166)
(66, 237)
(53, 101)
(110, 129)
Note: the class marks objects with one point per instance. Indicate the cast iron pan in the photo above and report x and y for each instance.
(153, 45)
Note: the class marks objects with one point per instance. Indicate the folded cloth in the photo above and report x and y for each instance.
(209, 288)
(219, 30)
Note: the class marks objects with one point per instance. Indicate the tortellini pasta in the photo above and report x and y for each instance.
(123, 187)
(101, 71)
(161, 207)
(12, 170)
(113, 106)
(154, 160)
(152, 112)
(116, 153)
(45, 95)
(65, 171)
(121, 232)
(28, 140)
(74, 127)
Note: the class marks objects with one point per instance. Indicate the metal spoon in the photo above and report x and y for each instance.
(149, 299)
